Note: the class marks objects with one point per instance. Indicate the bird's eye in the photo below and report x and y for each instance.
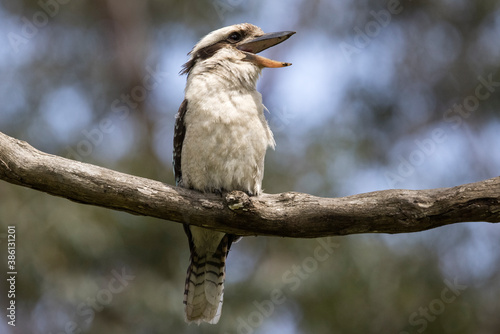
(235, 37)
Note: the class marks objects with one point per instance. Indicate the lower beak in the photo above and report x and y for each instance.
(258, 44)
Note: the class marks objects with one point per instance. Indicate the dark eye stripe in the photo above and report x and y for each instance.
(210, 50)
(204, 53)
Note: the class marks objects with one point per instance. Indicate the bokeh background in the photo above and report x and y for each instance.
(382, 94)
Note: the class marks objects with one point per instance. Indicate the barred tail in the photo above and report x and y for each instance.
(204, 288)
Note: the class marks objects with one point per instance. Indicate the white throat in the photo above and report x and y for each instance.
(225, 71)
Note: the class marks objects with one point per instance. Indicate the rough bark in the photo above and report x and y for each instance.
(288, 214)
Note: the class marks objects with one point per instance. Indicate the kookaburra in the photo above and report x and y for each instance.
(220, 140)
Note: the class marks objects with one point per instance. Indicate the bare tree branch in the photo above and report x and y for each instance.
(288, 214)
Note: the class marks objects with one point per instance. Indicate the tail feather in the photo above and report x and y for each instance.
(204, 289)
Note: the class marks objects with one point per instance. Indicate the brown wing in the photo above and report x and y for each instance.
(179, 133)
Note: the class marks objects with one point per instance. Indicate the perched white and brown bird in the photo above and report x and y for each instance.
(220, 140)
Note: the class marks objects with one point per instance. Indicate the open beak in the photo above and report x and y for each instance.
(258, 44)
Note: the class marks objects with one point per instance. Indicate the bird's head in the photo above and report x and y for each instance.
(234, 49)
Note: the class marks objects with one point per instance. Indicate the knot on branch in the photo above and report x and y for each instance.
(238, 201)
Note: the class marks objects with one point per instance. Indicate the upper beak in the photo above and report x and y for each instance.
(258, 44)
